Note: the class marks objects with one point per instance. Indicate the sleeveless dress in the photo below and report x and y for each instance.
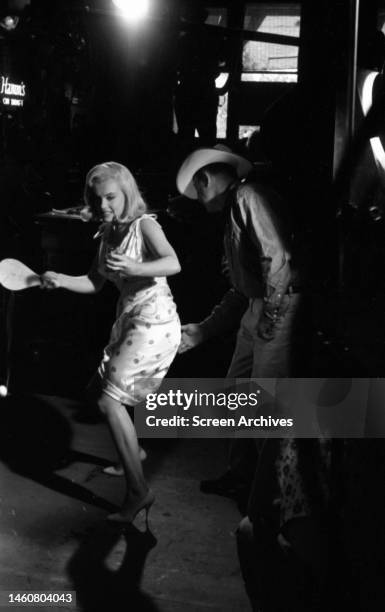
(146, 334)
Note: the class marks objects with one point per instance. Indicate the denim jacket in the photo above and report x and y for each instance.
(257, 252)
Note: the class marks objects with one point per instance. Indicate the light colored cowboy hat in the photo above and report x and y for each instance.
(203, 157)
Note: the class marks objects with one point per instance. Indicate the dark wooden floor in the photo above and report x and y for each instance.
(54, 500)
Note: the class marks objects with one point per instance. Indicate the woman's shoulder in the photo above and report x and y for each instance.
(147, 215)
(147, 221)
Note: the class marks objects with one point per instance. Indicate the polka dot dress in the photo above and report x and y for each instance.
(146, 334)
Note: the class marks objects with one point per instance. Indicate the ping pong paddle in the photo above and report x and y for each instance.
(14, 275)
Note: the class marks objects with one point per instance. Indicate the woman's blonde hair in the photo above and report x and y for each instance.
(134, 203)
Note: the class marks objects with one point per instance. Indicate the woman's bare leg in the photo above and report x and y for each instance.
(126, 442)
(116, 469)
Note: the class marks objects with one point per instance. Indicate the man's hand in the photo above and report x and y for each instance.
(266, 327)
(269, 318)
(192, 335)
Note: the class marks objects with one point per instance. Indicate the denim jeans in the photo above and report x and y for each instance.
(257, 358)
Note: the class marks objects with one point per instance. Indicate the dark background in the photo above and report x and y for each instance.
(100, 89)
(97, 90)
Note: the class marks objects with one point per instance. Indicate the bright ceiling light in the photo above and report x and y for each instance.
(132, 10)
(9, 22)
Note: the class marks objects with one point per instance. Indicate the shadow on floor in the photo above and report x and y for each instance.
(35, 440)
(106, 571)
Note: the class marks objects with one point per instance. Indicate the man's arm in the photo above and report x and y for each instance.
(223, 318)
(226, 315)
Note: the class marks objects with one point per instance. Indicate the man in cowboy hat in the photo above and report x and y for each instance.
(263, 299)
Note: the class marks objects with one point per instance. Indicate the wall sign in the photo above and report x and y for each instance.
(12, 94)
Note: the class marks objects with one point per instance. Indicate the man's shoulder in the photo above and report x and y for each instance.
(250, 194)
(259, 203)
(248, 187)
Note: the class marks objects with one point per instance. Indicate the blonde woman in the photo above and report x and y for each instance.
(135, 255)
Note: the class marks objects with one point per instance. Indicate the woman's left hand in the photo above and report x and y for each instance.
(122, 265)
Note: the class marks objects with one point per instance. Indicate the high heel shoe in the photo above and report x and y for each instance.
(117, 468)
(128, 513)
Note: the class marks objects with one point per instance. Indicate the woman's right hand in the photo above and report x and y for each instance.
(50, 280)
